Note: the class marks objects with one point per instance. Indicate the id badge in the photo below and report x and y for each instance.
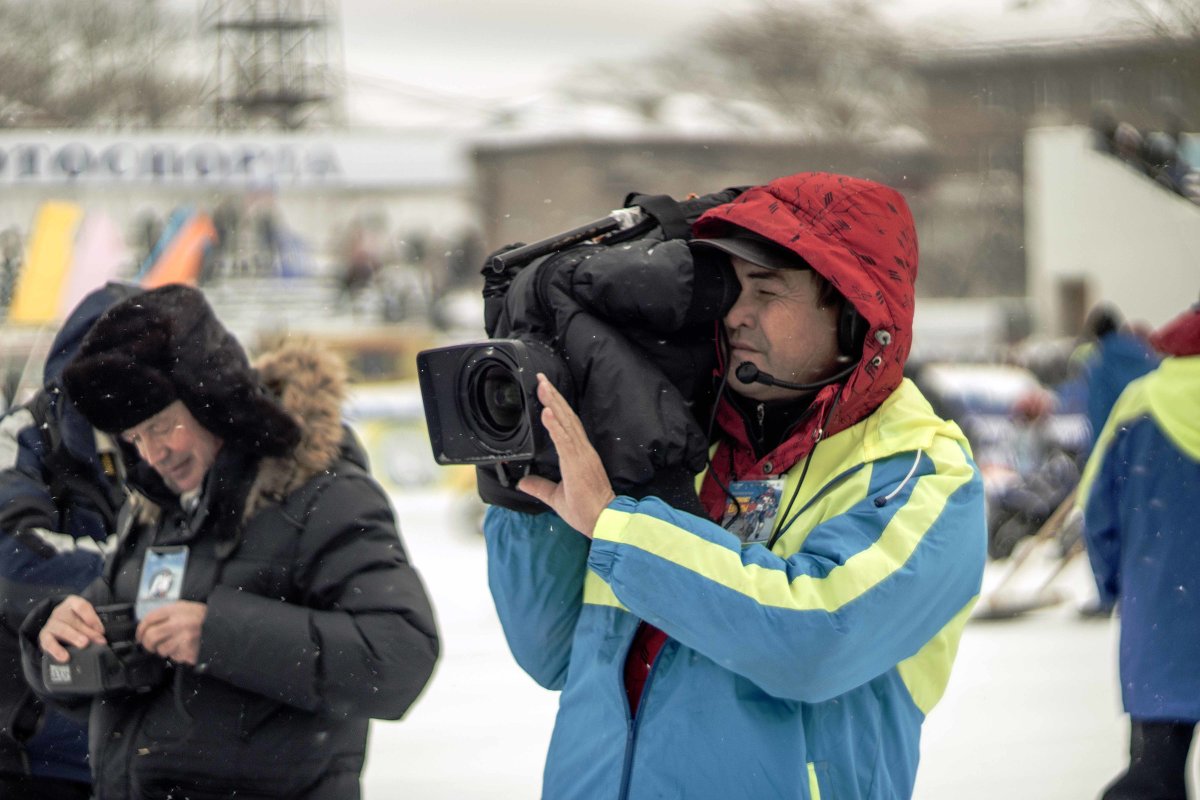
(759, 502)
(163, 569)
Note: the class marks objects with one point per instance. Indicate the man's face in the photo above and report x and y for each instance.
(178, 447)
(778, 325)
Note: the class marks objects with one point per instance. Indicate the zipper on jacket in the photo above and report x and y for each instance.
(131, 752)
(630, 737)
(755, 421)
(631, 720)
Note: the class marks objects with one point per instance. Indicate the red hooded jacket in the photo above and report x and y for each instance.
(1181, 336)
(859, 235)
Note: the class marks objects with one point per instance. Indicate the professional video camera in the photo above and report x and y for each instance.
(119, 665)
(621, 317)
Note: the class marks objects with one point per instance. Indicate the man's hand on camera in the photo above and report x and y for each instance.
(585, 490)
(73, 622)
(173, 631)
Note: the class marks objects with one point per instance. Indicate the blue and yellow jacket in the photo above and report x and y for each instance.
(1139, 494)
(804, 670)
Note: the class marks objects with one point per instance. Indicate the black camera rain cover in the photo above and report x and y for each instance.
(624, 320)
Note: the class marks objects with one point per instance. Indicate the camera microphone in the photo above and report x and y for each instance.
(621, 219)
(747, 372)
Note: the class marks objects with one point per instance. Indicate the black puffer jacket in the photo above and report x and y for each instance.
(316, 622)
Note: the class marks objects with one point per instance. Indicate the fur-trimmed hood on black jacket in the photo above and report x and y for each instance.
(311, 386)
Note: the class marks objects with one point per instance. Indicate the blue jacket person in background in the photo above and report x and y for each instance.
(61, 486)
(1139, 494)
(799, 656)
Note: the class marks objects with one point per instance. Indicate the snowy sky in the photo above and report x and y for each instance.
(470, 50)
(406, 54)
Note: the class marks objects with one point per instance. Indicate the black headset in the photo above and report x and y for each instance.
(851, 331)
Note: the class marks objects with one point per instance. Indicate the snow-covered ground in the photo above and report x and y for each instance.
(1032, 710)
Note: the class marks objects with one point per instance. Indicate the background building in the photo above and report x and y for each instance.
(989, 85)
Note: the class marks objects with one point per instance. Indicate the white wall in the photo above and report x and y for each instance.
(1089, 216)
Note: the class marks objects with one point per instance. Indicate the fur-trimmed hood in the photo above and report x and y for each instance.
(310, 383)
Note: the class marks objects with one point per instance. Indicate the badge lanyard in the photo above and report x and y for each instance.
(752, 532)
(163, 570)
(787, 523)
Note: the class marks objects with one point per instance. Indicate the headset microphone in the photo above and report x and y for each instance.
(747, 372)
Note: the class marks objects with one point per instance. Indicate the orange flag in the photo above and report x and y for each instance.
(183, 258)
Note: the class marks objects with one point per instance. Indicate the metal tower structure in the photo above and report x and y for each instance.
(278, 63)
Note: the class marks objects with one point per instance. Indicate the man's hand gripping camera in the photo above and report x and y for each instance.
(119, 665)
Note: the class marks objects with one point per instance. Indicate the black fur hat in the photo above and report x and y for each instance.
(165, 345)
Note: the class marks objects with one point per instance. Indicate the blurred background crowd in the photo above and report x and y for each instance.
(328, 169)
(1047, 149)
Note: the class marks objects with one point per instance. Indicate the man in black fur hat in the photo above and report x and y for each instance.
(276, 611)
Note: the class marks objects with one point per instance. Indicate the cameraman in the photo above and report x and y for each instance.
(799, 655)
(277, 611)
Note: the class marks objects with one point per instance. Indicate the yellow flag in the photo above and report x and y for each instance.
(40, 284)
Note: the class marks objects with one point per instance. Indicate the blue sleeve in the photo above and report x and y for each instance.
(536, 567)
(1072, 395)
(37, 560)
(871, 585)
(1102, 521)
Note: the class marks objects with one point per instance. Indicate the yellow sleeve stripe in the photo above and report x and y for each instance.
(770, 587)
(814, 788)
(927, 673)
(1132, 403)
(598, 593)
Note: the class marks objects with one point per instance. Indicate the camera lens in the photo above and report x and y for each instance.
(502, 402)
(495, 402)
(481, 401)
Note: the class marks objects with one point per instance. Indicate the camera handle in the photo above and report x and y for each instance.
(508, 480)
(621, 219)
